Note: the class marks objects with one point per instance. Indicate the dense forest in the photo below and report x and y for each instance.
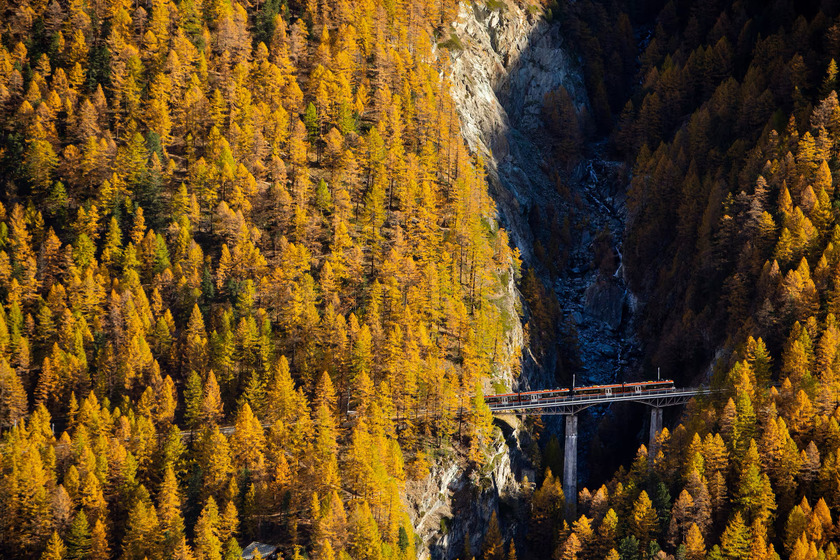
(732, 241)
(252, 281)
(247, 215)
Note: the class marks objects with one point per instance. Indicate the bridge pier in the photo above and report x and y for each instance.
(561, 403)
(570, 467)
(655, 428)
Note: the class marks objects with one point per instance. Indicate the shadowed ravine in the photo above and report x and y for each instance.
(509, 60)
(499, 83)
(502, 115)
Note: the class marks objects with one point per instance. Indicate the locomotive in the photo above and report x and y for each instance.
(615, 389)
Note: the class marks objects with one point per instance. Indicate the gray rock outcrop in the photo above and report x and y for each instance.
(503, 62)
(511, 59)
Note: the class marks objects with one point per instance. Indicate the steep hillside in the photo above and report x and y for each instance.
(250, 274)
(731, 244)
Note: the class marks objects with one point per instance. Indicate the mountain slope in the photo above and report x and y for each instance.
(250, 275)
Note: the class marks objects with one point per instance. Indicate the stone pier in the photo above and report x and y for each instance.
(570, 467)
(655, 428)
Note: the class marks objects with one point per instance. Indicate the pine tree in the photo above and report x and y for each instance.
(55, 548)
(41, 159)
(629, 548)
(169, 509)
(325, 467)
(735, 541)
(571, 548)
(247, 441)
(830, 80)
(758, 548)
(607, 533)
(229, 523)
(695, 548)
(47, 383)
(193, 399)
(232, 550)
(681, 518)
(755, 494)
(546, 513)
(99, 549)
(112, 252)
(142, 538)
(13, 401)
(493, 546)
(364, 534)
(795, 526)
(216, 460)
(211, 401)
(207, 543)
(644, 521)
(79, 541)
(196, 341)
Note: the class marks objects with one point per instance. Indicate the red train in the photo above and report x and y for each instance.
(533, 397)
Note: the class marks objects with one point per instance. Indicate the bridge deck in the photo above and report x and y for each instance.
(574, 404)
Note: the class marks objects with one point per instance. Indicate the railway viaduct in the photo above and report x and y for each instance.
(570, 405)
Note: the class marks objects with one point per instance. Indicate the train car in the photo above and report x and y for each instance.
(524, 398)
(635, 387)
(614, 389)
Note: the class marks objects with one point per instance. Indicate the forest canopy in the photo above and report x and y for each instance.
(249, 276)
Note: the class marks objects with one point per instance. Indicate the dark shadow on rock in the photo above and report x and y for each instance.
(510, 61)
(604, 301)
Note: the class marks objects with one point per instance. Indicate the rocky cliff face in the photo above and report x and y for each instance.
(509, 59)
(512, 58)
(454, 505)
